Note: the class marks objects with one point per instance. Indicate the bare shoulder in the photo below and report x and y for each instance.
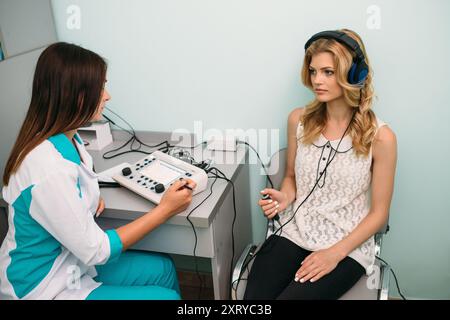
(294, 116)
(385, 135)
(384, 140)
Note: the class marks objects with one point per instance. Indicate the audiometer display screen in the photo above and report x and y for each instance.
(163, 172)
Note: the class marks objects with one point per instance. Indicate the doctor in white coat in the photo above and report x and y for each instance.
(54, 249)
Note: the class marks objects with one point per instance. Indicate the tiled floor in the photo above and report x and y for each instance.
(194, 288)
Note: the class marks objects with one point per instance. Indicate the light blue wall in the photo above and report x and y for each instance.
(235, 64)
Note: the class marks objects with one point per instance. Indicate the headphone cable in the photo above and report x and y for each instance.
(395, 277)
(265, 243)
(259, 158)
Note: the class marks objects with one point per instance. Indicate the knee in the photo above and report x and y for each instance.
(169, 273)
(168, 265)
(156, 261)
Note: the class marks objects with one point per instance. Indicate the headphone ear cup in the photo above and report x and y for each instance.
(363, 72)
(358, 73)
(351, 74)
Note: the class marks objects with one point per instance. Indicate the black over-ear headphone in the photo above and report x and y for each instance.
(359, 69)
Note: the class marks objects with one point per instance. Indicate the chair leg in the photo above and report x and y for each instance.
(385, 278)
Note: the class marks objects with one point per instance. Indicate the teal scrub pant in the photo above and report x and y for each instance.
(137, 275)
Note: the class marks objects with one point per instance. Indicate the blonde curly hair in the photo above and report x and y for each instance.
(359, 98)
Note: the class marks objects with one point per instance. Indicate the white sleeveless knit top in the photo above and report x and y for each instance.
(339, 202)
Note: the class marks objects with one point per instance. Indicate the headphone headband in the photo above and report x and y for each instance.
(359, 69)
(341, 37)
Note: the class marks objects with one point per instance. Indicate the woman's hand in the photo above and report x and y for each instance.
(100, 207)
(178, 197)
(272, 207)
(318, 264)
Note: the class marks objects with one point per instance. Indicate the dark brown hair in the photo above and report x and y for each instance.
(67, 88)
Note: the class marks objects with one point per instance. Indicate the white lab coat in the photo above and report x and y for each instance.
(53, 242)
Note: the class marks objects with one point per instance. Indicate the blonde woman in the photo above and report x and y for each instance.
(341, 160)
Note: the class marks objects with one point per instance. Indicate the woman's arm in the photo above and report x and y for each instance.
(322, 262)
(175, 200)
(384, 152)
(288, 186)
(281, 199)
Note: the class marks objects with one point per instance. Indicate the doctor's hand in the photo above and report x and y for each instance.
(178, 197)
(100, 208)
(317, 265)
(272, 207)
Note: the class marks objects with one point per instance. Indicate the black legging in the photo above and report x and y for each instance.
(273, 272)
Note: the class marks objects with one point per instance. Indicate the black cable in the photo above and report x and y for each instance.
(134, 139)
(317, 181)
(125, 121)
(191, 147)
(195, 234)
(262, 163)
(180, 153)
(270, 182)
(265, 243)
(133, 132)
(107, 118)
(395, 278)
(223, 177)
(320, 176)
(129, 151)
(106, 184)
(267, 228)
(271, 185)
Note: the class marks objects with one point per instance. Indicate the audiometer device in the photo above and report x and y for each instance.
(153, 175)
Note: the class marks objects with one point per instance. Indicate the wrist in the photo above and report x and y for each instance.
(340, 252)
(163, 210)
(286, 197)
